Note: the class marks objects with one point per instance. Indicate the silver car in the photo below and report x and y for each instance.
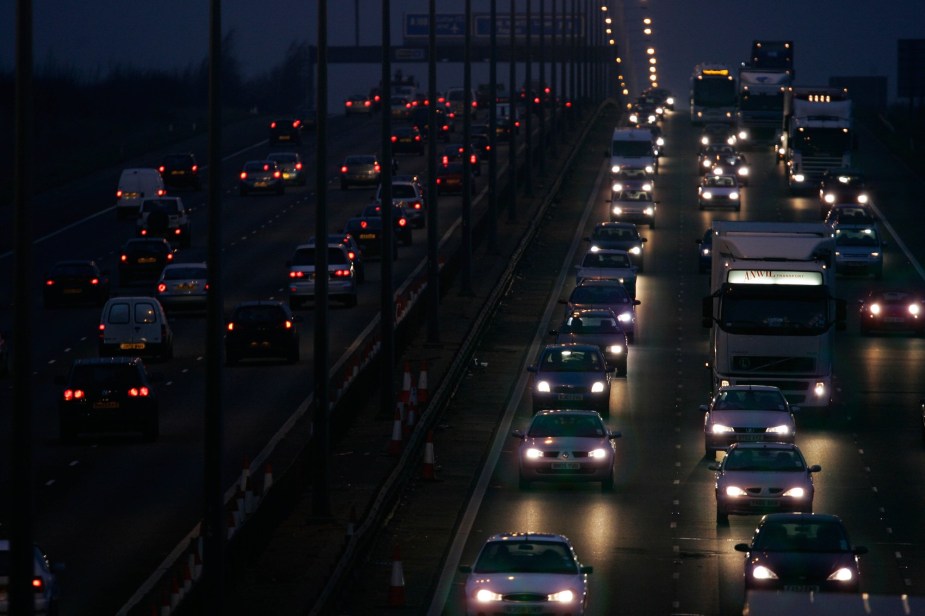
(290, 164)
(526, 573)
(572, 445)
(747, 413)
(183, 285)
(342, 278)
(757, 478)
(631, 205)
(608, 265)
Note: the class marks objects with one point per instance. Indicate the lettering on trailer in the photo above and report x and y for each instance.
(775, 277)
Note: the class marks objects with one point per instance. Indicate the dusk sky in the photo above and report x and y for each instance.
(832, 37)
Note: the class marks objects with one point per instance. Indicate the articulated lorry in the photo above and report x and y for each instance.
(772, 309)
(760, 105)
(818, 134)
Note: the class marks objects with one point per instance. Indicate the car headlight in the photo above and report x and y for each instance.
(798, 177)
(617, 187)
(597, 388)
(735, 491)
(875, 309)
(660, 142)
(617, 210)
(647, 186)
(650, 169)
(914, 309)
(795, 493)
(734, 195)
(615, 169)
(763, 573)
(543, 386)
(705, 252)
(625, 317)
(563, 596)
(819, 389)
(706, 164)
(706, 194)
(863, 198)
(720, 429)
(875, 254)
(634, 118)
(636, 250)
(483, 595)
(650, 211)
(598, 454)
(717, 171)
(743, 135)
(595, 248)
(615, 349)
(842, 574)
(743, 171)
(532, 453)
(829, 198)
(783, 429)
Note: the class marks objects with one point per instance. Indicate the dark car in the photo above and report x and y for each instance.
(261, 329)
(619, 236)
(608, 294)
(107, 393)
(571, 376)
(897, 310)
(705, 251)
(598, 327)
(419, 118)
(401, 219)
(368, 234)
(261, 176)
(801, 552)
(450, 179)
(456, 152)
(75, 282)
(144, 259)
(290, 164)
(285, 130)
(180, 171)
(407, 139)
(842, 185)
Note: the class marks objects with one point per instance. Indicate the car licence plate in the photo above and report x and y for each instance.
(107, 404)
(802, 587)
(177, 172)
(567, 466)
(569, 397)
(764, 502)
(147, 260)
(132, 346)
(260, 184)
(893, 319)
(367, 236)
(749, 437)
(72, 291)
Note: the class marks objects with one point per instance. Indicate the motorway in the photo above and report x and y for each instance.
(654, 543)
(111, 508)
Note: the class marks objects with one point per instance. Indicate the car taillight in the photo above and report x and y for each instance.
(402, 221)
(296, 274)
(377, 167)
(446, 160)
(473, 159)
(144, 232)
(363, 224)
(94, 281)
(38, 585)
(366, 103)
(296, 123)
(417, 137)
(177, 231)
(272, 124)
(231, 326)
(341, 273)
(394, 138)
(244, 175)
(348, 104)
(170, 256)
(138, 392)
(49, 283)
(351, 255)
(298, 166)
(118, 194)
(123, 258)
(195, 168)
(102, 328)
(287, 324)
(161, 287)
(161, 192)
(161, 169)
(277, 174)
(74, 394)
(417, 205)
(439, 180)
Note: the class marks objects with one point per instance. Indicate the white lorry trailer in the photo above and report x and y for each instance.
(760, 110)
(772, 309)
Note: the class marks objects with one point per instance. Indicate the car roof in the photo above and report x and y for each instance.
(171, 266)
(783, 518)
(578, 346)
(765, 445)
(107, 361)
(591, 312)
(515, 536)
(567, 412)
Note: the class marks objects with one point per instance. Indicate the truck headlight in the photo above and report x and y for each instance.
(597, 387)
(819, 389)
(615, 169)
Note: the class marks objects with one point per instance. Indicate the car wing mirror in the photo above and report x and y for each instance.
(531, 368)
(636, 302)
(615, 434)
(741, 547)
(815, 468)
(517, 433)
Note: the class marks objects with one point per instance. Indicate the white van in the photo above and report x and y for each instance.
(135, 326)
(633, 148)
(134, 186)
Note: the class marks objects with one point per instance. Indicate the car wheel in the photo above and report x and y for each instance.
(722, 517)
(621, 370)
(607, 483)
(523, 484)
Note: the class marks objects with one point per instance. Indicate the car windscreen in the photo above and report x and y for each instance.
(599, 259)
(403, 191)
(571, 360)
(259, 314)
(566, 425)
(599, 295)
(525, 557)
(763, 460)
(185, 273)
(73, 269)
(98, 375)
(306, 256)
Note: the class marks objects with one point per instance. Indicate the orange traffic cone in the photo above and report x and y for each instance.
(395, 443)
(406, 384)
(397, 583)
(423, 395)
(430, 470)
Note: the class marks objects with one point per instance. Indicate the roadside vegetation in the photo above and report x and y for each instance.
(88, 122)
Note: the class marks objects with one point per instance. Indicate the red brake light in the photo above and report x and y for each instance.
(377, 167)
(277, 174)
(119, 194)
(296, 123)
(244, 175)
(348, 103)
(343, 169)
(38, 584)
(394, 138)
(135, 392)
(170, 256)
(144, 231)
(195, 168)
(161, 287)
(123, 258)
(287, 324)
(94, 281)
(73, 394)
(231, 326)
(296, 274)
(417, 137)
(161, 169)
(49, 282)
(272, 124)
(342, 273)
(473, 159)
(446, 160)
(102, 327)
(402, 222)
(298, 166)
(351, 255)
(363, 224)
(161, 192)
(366, 103)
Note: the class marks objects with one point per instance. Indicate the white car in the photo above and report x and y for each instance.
(135, 326)
(342, 277)
(526, 573)
(759, 478)
(632, 205)
(719, 191)
(570, 445)
(747, 413)
(608, 265)
(183, 285)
